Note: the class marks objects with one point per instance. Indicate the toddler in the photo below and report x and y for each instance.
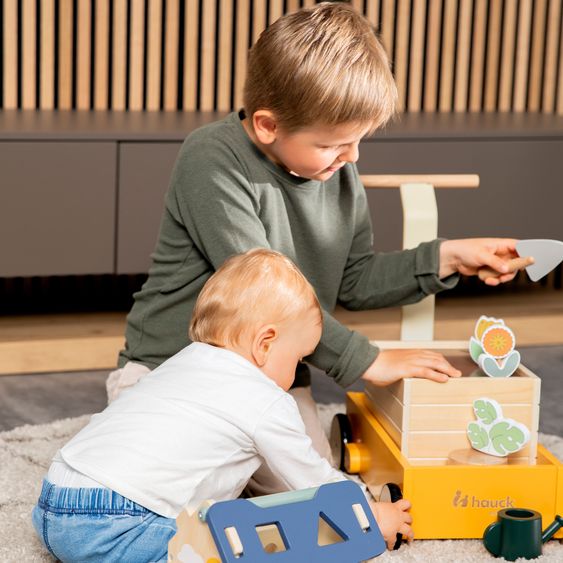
(199, 425)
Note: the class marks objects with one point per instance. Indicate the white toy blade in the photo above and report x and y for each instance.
(547, 254)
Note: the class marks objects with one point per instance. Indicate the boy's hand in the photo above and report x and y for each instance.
(495, 260)
(393, 365)
(392, 519)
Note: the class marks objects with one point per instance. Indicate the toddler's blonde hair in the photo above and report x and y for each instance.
(259, 286)
(322, 65)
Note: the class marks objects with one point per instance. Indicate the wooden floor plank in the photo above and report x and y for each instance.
(89, 341)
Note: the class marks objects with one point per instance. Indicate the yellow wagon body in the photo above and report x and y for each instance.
(454, 501)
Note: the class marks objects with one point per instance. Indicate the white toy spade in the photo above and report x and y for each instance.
(547, 254)
(537, 256)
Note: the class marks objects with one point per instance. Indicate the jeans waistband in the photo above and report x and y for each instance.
(64, 500)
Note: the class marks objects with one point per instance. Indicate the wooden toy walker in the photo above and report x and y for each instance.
(410, 437)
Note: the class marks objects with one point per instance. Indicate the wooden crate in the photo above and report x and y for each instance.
(428, 420)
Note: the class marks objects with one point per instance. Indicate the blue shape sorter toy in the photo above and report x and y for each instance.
(329, 524)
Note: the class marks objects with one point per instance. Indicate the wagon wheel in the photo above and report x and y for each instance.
(391, 492)
(340, 435)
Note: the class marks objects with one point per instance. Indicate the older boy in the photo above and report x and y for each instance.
(199, 426)
(281, 174)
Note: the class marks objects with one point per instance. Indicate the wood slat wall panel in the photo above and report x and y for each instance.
(447, 55)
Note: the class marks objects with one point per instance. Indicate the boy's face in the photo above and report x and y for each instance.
(315, 152)
(296, 339)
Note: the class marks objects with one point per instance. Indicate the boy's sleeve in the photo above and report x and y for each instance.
(282, 442)
(373, 280)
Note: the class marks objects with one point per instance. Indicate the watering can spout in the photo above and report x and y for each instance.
(552, 529)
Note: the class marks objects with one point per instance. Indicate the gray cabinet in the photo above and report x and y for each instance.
(57, 208)
(144, 174)
(83, 192)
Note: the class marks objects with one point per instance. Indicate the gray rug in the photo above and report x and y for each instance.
(25, 455)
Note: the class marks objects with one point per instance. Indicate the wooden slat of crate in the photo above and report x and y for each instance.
(456, 417)
(431, 417)
(440, 444)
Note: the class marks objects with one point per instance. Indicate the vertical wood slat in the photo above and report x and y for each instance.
(432, 55)
(10, 54)
(402, 51)
(416, 57)
(388, 26)
(522, 55)
(493, 56)
(241, 50)
(276, 11)
(83, 42)
(448, 55)
(29, 17)
(154, 54)
(136, 54)
(47, 62)
(462, 58)
(258, 19)
(560, 80)
(536, 56)
(550, 63)
(373, 14)
(66, 15)
(171, 52)
(224, 75)
(191, 35)
(478, 56)
(507, 57)
(207, 77)
(119, 55)
(101, 54)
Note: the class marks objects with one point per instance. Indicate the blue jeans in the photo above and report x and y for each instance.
(99, 525)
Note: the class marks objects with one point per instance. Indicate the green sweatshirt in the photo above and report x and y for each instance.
(226, 197)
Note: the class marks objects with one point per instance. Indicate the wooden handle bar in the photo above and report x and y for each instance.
(437, 180)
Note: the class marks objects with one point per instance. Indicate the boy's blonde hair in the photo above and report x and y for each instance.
(321, 65)
(259, 286)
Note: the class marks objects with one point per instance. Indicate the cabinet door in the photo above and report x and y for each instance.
(57, 208)
(144, 173)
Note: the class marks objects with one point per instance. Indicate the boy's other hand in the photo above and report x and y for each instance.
(393, 365)
(392, 519)
(493, 259)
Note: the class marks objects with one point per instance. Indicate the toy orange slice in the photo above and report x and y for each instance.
(483, 323)
(498, 341)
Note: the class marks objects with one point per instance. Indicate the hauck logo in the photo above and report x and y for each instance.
(462, 500)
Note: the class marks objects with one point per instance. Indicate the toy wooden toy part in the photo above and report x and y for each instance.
(492, 347)
(547, 254)
(518, 533)
(410, 433)
(331, 523)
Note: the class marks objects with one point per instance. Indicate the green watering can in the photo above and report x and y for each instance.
(518, 533)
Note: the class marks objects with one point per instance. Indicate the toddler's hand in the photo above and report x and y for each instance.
(392, 519)
(393, 365)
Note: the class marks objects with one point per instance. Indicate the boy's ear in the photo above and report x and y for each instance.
(265, 126)
(262, 344)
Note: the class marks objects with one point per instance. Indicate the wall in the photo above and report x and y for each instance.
(448, 55)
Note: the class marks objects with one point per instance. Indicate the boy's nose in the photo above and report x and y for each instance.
(350, 154)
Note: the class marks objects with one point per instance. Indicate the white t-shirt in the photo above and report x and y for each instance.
(197, 428)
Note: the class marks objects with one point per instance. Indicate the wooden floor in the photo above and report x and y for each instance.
(57, 343)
